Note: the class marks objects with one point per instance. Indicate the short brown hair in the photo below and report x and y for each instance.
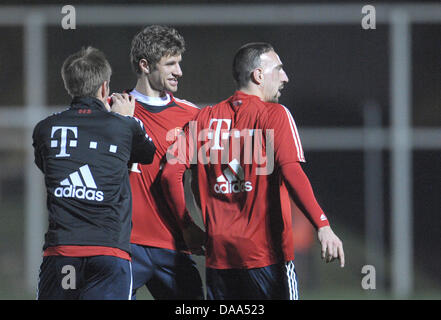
(85, 71)
(154, 42)
(246, 59)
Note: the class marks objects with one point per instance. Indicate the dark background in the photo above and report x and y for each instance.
(333, 69)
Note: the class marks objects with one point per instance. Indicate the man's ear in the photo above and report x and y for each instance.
(144, 66)
(257, 76)
(105, 89)
(103, 93)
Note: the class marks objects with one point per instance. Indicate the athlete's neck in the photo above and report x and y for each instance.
(254, 91)
(152, 101)
(143, 86)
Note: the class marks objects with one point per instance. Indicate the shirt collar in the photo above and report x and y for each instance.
(238, 98)
(87, 102)
(152, 101)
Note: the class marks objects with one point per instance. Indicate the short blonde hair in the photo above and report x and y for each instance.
(85, 71)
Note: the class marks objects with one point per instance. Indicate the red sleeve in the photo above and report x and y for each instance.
(173, 188)
(286, 141)
(300, 190)
(178, 160)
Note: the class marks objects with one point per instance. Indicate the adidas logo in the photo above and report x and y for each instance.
(232, 180)
(73, 186)
(323, 217)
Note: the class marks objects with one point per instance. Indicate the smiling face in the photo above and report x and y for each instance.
(274, 77)
(165, 74)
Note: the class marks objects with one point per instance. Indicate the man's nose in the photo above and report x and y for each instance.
(178, 71)
(284, 77)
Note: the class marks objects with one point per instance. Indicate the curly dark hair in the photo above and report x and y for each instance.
(154, 42)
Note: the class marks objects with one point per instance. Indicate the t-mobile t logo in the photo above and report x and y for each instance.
(217, 132)
(62, 143)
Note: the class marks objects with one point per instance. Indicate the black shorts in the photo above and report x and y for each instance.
(85, 278)
(275, 282)
(167, 274)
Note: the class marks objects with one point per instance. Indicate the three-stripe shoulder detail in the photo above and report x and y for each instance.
(187, 103)
(295, 134)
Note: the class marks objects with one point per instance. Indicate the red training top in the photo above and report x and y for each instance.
(153, 223)
(247, 154)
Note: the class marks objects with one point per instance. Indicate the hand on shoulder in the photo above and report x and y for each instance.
(123, 104)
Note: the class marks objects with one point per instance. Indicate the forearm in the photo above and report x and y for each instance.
(301, 191)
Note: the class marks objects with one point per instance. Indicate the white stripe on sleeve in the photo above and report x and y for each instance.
(295, 135)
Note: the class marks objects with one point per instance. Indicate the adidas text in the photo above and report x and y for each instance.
(235, 187)
(79, 193)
